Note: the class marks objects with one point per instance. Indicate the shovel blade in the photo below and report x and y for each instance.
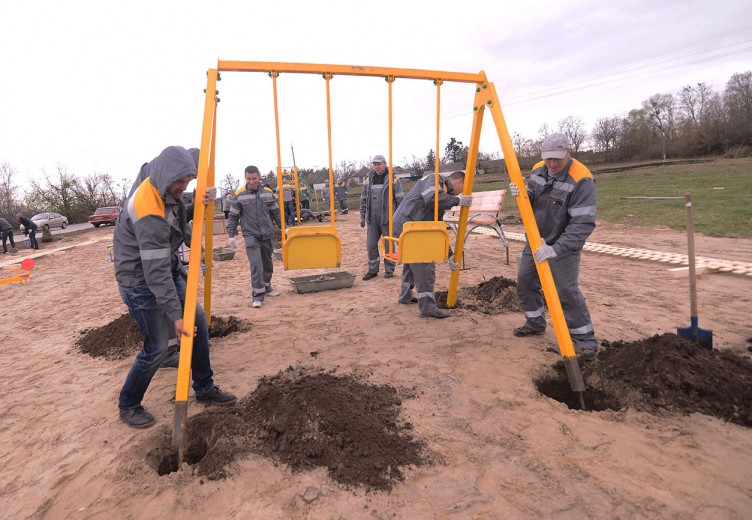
(695, 334)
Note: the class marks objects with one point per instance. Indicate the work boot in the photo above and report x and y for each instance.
(272, 293)
(585, 354)
(216, 396)
(370, 276)
(436, 314)
(137, 417)
(523, 332)
(15, 250)
(388, 275)
(412, 300)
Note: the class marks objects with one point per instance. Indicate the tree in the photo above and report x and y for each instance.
(738, 100)
(605, 134)
(415, 164)
(8, 190)
(572, 127)
(455, 151)
(431, 160)
(660, 111)
(229, 184)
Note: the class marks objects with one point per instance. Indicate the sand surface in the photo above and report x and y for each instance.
(501, 449)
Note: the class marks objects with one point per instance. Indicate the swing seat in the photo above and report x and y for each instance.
(19, 274)
(312, 247)
(420, 242)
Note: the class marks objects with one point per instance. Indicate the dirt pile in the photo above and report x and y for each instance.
(309, 419)
(121, 339)
(495, 296)
(664, 373)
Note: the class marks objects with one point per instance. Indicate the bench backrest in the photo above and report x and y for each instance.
(489, 202)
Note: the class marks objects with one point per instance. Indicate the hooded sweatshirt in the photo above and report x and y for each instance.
(151, 228)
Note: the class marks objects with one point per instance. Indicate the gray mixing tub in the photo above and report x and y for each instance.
(322, 282)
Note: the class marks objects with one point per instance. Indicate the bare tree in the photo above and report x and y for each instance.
(230, 183)
(344, 170)
(660, 111)
(8, 190)
(738, 100)
(605, 134)
(416, 164)
(572, 127)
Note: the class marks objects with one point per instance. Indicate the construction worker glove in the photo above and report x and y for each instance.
(513, 189)
(465, 200)
(232, 243)
(453, 266)
(544, 253)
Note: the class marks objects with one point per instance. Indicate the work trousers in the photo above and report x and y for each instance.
(8, 235)
(376, 230)
(422, 277)
(565, 269)
(259, 253)
(156, 328)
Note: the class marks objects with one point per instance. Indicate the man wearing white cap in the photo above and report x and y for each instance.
(374, 211)
(562, 194)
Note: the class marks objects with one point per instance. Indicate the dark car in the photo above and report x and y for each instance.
(104, 216)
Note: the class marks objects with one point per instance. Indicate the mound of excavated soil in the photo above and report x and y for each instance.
(309, 419)
(662, 373)
(495, 296)
(120, 338)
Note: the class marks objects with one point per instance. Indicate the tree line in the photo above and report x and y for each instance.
(696, 121)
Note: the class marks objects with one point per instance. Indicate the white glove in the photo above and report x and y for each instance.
(465, 200)
(544, 252)
(232, 243)
(513, 189)
(452, 265)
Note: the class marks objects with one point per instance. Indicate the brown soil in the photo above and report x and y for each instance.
(121, 339)
(306, 419)
(495, 296)
(664, 373)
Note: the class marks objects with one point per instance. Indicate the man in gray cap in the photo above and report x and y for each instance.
(562, 194)
(374, 211)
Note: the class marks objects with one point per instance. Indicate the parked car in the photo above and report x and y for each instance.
(104, 216)
(50, 220)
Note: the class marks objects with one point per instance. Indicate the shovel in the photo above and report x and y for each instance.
(693, 332)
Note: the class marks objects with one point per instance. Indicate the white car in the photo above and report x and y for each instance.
(50, 220)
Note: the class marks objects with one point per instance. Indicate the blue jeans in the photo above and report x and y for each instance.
(33, 239)
(155, 326)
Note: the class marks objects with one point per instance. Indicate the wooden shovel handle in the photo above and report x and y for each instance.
(691, 249)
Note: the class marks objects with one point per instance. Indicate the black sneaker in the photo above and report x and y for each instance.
(137, 417)
(370, 276)
(216, 396)
(436, 314)
(523, 332)
(388, 275)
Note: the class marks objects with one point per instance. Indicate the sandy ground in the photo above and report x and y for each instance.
(506, 451)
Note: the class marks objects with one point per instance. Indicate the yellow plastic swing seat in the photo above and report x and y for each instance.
(420, 242)
(312, 247)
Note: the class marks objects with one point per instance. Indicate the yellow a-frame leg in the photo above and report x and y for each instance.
(194, 267)
(486, 97)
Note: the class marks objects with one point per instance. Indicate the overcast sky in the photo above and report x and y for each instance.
(105, 86)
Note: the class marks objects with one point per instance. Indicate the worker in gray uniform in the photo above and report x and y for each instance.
(374, 211)
(562, 194)
(419, 205)
(257, 212)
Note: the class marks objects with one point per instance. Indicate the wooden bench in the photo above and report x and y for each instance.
(484, 213)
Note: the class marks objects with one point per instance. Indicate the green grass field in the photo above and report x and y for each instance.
(721, 196)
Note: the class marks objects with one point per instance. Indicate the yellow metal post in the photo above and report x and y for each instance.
(194, 268)
(209, 224)
(328, 77)
(478, 108)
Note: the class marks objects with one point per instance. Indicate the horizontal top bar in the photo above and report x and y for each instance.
(348, 70)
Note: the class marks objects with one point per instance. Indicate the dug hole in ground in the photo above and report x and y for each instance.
(352, 406)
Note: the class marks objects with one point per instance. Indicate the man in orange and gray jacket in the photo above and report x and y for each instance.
(148, 234)
(562, 195)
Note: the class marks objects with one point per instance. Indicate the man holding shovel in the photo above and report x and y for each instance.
(148, 234)
(562, 194)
